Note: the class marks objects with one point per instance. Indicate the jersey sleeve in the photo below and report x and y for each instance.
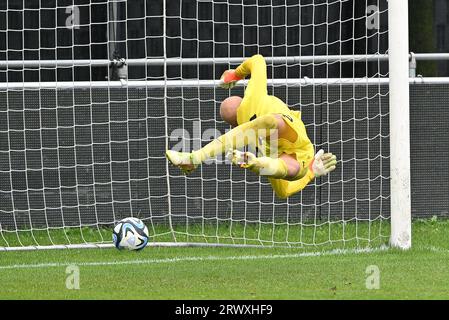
(257, 67)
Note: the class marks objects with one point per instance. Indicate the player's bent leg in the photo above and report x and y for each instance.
(284, 167)
(293, 166)
(262, 166)
(280, 187)
(285, 189)
(285, 131)
(284, 173)
(236, 138)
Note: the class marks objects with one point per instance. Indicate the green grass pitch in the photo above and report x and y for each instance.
(234, 273)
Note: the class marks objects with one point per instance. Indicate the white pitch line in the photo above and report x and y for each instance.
(190, 259)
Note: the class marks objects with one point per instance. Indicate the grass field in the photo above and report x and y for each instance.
(235, 273)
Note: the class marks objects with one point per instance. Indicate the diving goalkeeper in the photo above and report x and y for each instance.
(259, 115)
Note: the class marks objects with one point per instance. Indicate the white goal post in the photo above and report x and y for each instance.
(93, 92)
(401, 218)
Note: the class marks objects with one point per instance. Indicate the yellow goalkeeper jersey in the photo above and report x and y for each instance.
(257, 102)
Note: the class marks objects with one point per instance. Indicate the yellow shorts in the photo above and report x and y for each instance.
(302, 147)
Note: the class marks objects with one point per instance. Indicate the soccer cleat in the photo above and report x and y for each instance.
(323, 163)
(182, 160)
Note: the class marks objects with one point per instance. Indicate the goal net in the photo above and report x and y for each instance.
(92, 93)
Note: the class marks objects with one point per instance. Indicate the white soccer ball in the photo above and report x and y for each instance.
(130, 233)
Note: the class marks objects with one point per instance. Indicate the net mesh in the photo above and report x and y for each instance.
(80, 149)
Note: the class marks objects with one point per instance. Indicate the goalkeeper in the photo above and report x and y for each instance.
(259, 115)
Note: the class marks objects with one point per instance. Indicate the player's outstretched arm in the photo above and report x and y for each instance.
(254, 66)
(229, 79)
(322, 164)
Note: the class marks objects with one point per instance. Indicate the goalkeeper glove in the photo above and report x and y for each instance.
(241, 159)
(229, 79)
(323, 163)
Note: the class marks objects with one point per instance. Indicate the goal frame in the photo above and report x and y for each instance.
(398, 50)
(398, 60)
